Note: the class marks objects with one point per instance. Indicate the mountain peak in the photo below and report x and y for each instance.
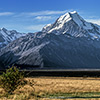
(7, 36)
(72, 16)
(73, 12)
(62, 23)
(4, 29)
(68, 16)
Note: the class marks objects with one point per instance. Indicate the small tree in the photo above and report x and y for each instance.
(11, 79)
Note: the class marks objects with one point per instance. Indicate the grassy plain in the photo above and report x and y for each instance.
(51, 88)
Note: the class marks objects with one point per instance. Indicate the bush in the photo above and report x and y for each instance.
(11, 79)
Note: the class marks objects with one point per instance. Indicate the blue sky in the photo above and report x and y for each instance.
(32, 15)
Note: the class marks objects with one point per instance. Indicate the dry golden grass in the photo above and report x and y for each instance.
(53, 85)
(67, 84)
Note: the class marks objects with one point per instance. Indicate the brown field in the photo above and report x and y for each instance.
(67, 84)
(55, 85)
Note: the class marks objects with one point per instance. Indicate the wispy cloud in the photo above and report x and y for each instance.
(96, 21)
(41, 13)
(29, 21)
(6, 13)
(45, 13)
(35, 27)
(93, 17)
(44, 18)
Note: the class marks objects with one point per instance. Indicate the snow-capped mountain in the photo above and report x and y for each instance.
(73, 24)
(8, 36)
(71, 42)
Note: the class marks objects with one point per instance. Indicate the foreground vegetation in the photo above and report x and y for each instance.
(46, 88)
(14, 86)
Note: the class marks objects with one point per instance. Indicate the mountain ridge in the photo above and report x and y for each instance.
(74, 19)
(7, 36)
(70, 46)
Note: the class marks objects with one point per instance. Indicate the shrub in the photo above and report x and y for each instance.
(11, 79)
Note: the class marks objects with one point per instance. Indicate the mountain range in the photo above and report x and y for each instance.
(69, 43)
(8, 36)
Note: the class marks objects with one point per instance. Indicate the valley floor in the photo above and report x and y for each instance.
(47, 88)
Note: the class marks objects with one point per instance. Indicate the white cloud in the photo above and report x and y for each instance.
(96, 21)
(46, 13)
(35, 27)
(6, 13)
(44, 18)
(41, 13)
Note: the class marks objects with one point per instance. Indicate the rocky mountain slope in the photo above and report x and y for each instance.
(8, 36)
(70, 42)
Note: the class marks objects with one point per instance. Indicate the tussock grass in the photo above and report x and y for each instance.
(56, 86)
(67, 84)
